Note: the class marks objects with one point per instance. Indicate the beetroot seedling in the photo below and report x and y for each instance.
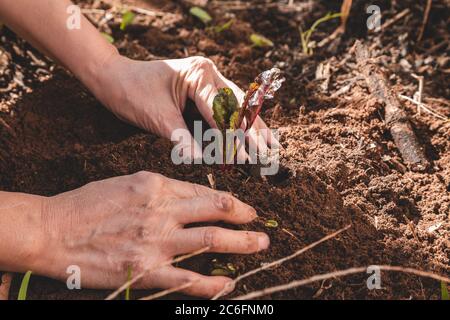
(229, 116)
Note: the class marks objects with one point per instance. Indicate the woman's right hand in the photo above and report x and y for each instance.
(136, 222)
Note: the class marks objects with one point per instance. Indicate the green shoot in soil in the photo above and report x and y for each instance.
(220, 28)
(24, 286)
(444, 291)
(306, 36)
(128, 290)
(201, 14)
(260, 41)
(127, 18)
(271, 224)
(220, 269)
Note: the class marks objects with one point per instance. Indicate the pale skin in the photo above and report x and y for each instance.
(136, 221)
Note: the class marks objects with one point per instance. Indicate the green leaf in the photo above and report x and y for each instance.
(108, 37)
(260, 41)
(444, 291)
(271, 224)
(128, 290)
(127, 18)
(225, 104)
(200, 14)
(24, 286)
(223, 27)
(220, 272)
(234, 121)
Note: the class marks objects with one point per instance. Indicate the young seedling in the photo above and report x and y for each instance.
(306, 36)
(128, 290)
(127, 19)
(204, 17)
(201, 14)
(229, 116)
(271, 224)
(260, 41)
(220, 269)
(444, 291)
(24, 286)
(220, 28)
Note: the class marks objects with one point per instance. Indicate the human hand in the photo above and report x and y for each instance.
(152, 95)
(137, 221)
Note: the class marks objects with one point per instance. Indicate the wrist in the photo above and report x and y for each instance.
(107, 82)
(21, 236)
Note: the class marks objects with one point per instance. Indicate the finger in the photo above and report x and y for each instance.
(5, 285)
(186, 149)
(270, 138)
(257, 143)
(220, 240)
(200, 285)
(218, 206)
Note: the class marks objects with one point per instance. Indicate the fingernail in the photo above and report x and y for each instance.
(263, 242)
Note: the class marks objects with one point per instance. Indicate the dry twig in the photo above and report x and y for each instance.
(425, 19)
(168, 291)
(278, 262)
(335, 274)
(394, 19)
(396, 118)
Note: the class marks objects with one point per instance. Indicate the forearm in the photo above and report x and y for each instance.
(44, 24)
(20, 231)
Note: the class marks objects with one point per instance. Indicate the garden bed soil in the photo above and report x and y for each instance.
(339, 163)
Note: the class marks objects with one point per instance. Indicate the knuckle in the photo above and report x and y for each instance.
(223, 201)
(203, 63)
(211, 238)
(147, 178)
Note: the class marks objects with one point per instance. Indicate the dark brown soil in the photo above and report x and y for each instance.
(340, 165)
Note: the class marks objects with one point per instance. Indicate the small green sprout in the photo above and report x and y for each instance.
(108, 37)
(271, 224)
(220, 269)
(306, 35)
(260, 41)
(24, 286)
(127, 19)
(220, 272)
(444, 291)
(128, 290)
(220, 28)
(201, 14)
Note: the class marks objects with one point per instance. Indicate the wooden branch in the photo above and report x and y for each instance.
(335, 274)
(278, 262)
(396, 118)
(425, 20)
